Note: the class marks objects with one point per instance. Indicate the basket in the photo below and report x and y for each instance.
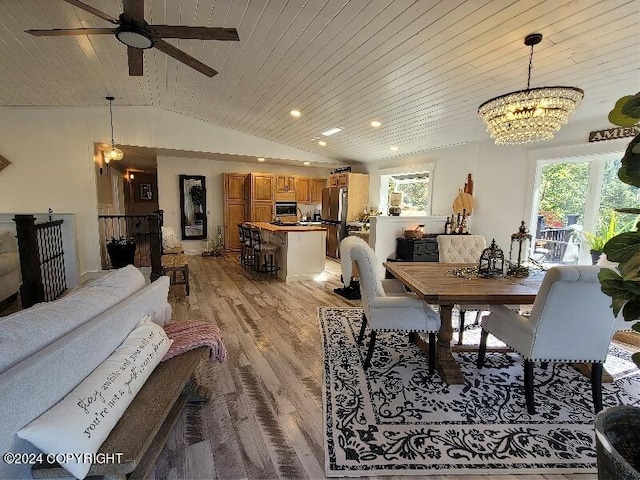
(412, 234)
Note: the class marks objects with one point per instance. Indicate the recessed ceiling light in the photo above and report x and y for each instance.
(295, 113)
(260, 159)
(375, 124)
(307, 163)
(322, 143)
(393, 148)
(331, 131)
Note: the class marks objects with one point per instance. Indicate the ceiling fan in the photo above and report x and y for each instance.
(132, 30)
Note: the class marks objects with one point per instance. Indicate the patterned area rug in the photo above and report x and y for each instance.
(395, 420)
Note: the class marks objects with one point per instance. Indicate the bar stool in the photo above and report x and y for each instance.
(242, 243)
(265, 252)
(249, 254)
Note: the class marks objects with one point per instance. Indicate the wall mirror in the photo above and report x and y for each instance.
(193, 207)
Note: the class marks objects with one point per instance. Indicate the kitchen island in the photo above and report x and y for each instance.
(301, 255)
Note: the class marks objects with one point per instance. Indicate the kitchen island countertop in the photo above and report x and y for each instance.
(270, 227)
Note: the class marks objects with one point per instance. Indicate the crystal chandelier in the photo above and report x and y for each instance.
(529, 115)
(114, 153)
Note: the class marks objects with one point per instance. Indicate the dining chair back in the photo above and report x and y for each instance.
(571, 322)
(462, 249)
(403, 312)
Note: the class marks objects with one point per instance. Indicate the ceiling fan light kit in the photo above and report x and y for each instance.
(132, 30)
(529, 115)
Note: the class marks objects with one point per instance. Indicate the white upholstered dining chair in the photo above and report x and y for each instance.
(462, 249)
(402, 312)
(571, 322)
(390, 286)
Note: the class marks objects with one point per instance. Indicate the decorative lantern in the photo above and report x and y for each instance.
(520, 243)
(491, 261)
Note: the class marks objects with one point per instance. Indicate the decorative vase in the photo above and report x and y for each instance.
(618, 443)
(121, 255)
(595, 256)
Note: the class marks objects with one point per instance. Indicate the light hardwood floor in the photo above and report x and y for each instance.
(264, 420)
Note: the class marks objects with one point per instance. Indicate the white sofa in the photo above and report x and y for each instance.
(48, 349)
(9, 265)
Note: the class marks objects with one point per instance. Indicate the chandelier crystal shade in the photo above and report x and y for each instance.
(529, 115)
(114, 153)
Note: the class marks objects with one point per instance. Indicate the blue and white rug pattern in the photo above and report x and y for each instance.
(395, 419)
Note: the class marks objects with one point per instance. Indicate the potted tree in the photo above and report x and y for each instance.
(121, 251)
(617, 438)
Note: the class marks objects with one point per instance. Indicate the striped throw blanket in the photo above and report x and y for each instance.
(189, 335)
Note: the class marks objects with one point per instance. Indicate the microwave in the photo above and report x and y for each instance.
(286, 209)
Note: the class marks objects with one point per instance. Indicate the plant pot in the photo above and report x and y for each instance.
(618, 443)
(121, 255)
(595, 256)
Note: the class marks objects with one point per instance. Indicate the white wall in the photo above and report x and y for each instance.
(51, 153)
(504, 177)
(169, 168)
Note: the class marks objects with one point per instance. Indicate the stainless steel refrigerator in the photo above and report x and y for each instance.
(334, 217)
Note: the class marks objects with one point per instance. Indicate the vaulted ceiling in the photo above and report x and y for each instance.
(420, 67)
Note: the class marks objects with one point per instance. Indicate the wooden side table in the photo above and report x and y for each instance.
(174, 263)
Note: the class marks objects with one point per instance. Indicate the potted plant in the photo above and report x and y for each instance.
(598, 240)
(121, 251)
(617, 439)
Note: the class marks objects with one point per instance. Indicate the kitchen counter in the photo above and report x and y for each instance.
(303, 227)
(301, 255)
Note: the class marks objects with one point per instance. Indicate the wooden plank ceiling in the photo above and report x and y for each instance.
(421, 67)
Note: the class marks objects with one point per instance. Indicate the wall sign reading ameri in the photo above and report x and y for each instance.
(614, 133)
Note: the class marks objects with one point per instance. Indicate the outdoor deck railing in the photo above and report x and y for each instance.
(553, 241)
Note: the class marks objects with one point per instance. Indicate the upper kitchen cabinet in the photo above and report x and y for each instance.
(309, 190)
(317, 184)
(303, 189)
(262, 187)
(339, 180)
(235, 187)
(285, 188)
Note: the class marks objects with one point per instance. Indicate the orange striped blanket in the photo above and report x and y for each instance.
(189, 335)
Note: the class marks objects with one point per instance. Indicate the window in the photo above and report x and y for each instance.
(415, 192)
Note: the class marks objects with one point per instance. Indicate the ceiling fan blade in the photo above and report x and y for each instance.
(200, 33)
(56, 32)
(90, 9)
(135, 61)
(184, 58)
(134, 9)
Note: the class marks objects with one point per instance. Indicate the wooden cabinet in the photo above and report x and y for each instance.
(317, 185)
(303, 190)
(285, 188)
(262, 211)
(236, 190)
(309, 190)
(339, 180)
(262, 187)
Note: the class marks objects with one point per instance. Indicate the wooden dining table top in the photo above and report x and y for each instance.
(436, 283)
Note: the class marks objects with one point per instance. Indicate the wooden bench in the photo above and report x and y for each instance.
(143, 430)
(174, 263)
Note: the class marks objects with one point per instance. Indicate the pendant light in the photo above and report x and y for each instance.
(114, 153)
(529, 115)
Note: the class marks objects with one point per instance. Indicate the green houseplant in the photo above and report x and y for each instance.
(598, 240)
(623, 285)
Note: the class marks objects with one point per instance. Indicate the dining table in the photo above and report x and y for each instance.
(449, 284)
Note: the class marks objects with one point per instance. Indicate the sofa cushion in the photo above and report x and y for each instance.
(81, 421)
(27, 331)
(8, 242)
(38, 382)
(9, 262)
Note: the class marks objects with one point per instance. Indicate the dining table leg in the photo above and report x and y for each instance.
(447, 366)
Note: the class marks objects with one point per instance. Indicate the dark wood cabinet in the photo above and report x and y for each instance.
(422, 250)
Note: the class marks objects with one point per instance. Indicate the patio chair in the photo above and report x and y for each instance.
(463, 249)
(571, 322)
(405, 312)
